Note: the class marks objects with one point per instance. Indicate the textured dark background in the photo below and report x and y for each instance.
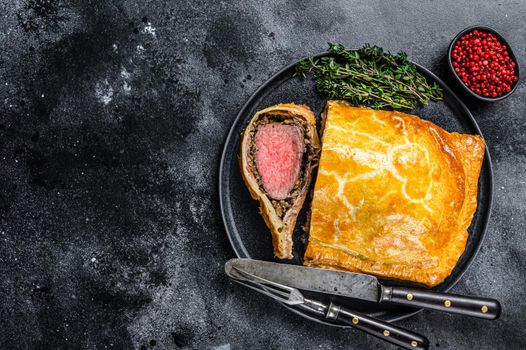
(113, 118)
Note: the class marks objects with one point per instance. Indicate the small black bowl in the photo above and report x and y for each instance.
(510, 53)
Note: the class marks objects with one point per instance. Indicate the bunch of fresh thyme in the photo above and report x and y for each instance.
(369, 76)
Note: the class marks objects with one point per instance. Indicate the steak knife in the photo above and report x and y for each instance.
(367, 287)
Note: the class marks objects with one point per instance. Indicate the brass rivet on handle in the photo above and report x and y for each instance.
(386, 333)
(484, 309)
(355, 320)
(409, 296)
(414, 343)
(447, 303)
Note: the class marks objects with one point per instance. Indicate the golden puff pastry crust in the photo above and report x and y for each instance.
(394, 195)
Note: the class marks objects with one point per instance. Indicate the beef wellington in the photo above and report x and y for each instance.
(279, 150)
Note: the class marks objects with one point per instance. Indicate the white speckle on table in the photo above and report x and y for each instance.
(149, 29)
(126, 87)
(115, 48)
(198, 209)
(221, 347)
(125, 75)
(104, 92)
(139, 49)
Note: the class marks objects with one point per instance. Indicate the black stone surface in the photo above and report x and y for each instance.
(113, 117)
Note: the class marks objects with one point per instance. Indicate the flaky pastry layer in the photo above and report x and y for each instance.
(394, 195)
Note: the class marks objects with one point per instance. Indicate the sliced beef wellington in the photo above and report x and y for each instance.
(279, 149)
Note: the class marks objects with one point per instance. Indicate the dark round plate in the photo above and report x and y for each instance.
(249, 236)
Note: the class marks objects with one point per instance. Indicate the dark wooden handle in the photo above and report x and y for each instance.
(383, 330)
(488, 309)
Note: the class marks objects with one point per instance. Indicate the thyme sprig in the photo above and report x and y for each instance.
(369, 76)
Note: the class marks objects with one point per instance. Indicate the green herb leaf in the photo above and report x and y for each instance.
(369, 76)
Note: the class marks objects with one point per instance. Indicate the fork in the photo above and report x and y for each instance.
(292, 296)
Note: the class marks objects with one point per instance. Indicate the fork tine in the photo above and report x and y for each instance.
(293, 295)
(250, 278)
(262, 280)
(263, 291)
(273, 290)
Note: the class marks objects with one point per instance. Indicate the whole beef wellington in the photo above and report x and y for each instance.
(279, 149)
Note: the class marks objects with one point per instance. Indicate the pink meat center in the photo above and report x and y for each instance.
(279, 149)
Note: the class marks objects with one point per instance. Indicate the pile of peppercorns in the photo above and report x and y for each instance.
(483, 64)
